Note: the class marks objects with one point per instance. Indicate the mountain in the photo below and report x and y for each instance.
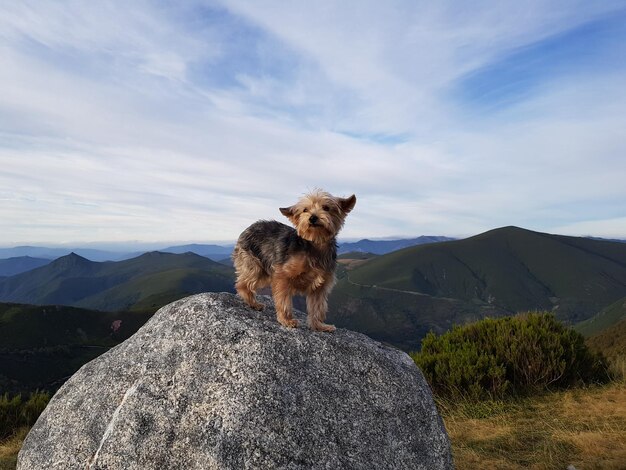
(512, 268)
(214, 252)
(396, 297)
(399, 296)
(381, 247)
(145, 282)
(40, 346)
(20, 264)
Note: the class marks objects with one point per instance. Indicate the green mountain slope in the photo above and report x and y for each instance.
(123, 285)
(606, 318)
(509, 268)
(397, 317)
(400, 296)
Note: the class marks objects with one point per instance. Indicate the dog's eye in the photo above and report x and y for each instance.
(326, 208)
(305, 210)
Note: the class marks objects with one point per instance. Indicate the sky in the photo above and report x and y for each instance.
(187, 121)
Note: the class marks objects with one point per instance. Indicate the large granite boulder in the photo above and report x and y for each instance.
(208, 383)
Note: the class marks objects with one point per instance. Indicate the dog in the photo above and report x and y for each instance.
(294, 261)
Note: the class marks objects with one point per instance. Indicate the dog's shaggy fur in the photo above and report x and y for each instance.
(294, 261)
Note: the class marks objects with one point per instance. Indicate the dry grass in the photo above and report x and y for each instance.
(582, 427)
(9, 448)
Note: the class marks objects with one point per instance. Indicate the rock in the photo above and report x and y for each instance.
(208, 383)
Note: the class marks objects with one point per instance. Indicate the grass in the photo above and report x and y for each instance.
(10, 447)
(581, 427)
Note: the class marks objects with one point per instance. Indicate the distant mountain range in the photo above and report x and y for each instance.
(211, 251)
(395, 297)
(54, 253)
(381, 247)
(214, 252)
(142, 283)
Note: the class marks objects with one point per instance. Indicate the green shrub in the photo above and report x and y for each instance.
(508, 356)
(15, 413)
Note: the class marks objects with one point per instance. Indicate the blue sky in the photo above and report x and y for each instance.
(186, 121)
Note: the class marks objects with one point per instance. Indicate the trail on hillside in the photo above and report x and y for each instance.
(390, 289)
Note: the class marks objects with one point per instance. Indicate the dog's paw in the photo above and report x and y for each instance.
(290, 323)
(325, 327)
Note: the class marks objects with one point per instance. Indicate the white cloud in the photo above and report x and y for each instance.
(123, 123)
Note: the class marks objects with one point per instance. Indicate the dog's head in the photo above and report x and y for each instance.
(318, 216)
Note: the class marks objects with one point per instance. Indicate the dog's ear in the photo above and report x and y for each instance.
(347, 204)
(288, 212)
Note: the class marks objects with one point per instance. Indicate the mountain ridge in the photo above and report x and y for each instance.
(485, 259)
(404, 294)
(396, 297)
(74, 280)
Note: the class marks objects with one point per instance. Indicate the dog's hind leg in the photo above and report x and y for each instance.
(250, 277)
(282, 294)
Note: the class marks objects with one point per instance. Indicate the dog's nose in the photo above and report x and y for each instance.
(313, 219)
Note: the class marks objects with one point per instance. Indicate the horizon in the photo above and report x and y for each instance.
(137, 245)
(191, 121)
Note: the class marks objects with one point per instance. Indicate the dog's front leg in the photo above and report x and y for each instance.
(316, 307)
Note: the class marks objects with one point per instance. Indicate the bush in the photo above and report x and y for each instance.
(15, 413)
(517, 355)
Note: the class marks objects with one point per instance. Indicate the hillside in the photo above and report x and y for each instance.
(40, 346)
(145, 282)
(397, 317)
(20, 264)
(400, 296)
(511, 268)
(606, 318)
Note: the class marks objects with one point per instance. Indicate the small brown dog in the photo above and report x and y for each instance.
(300, 261)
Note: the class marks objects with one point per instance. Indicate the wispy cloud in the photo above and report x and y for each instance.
(162, 121)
